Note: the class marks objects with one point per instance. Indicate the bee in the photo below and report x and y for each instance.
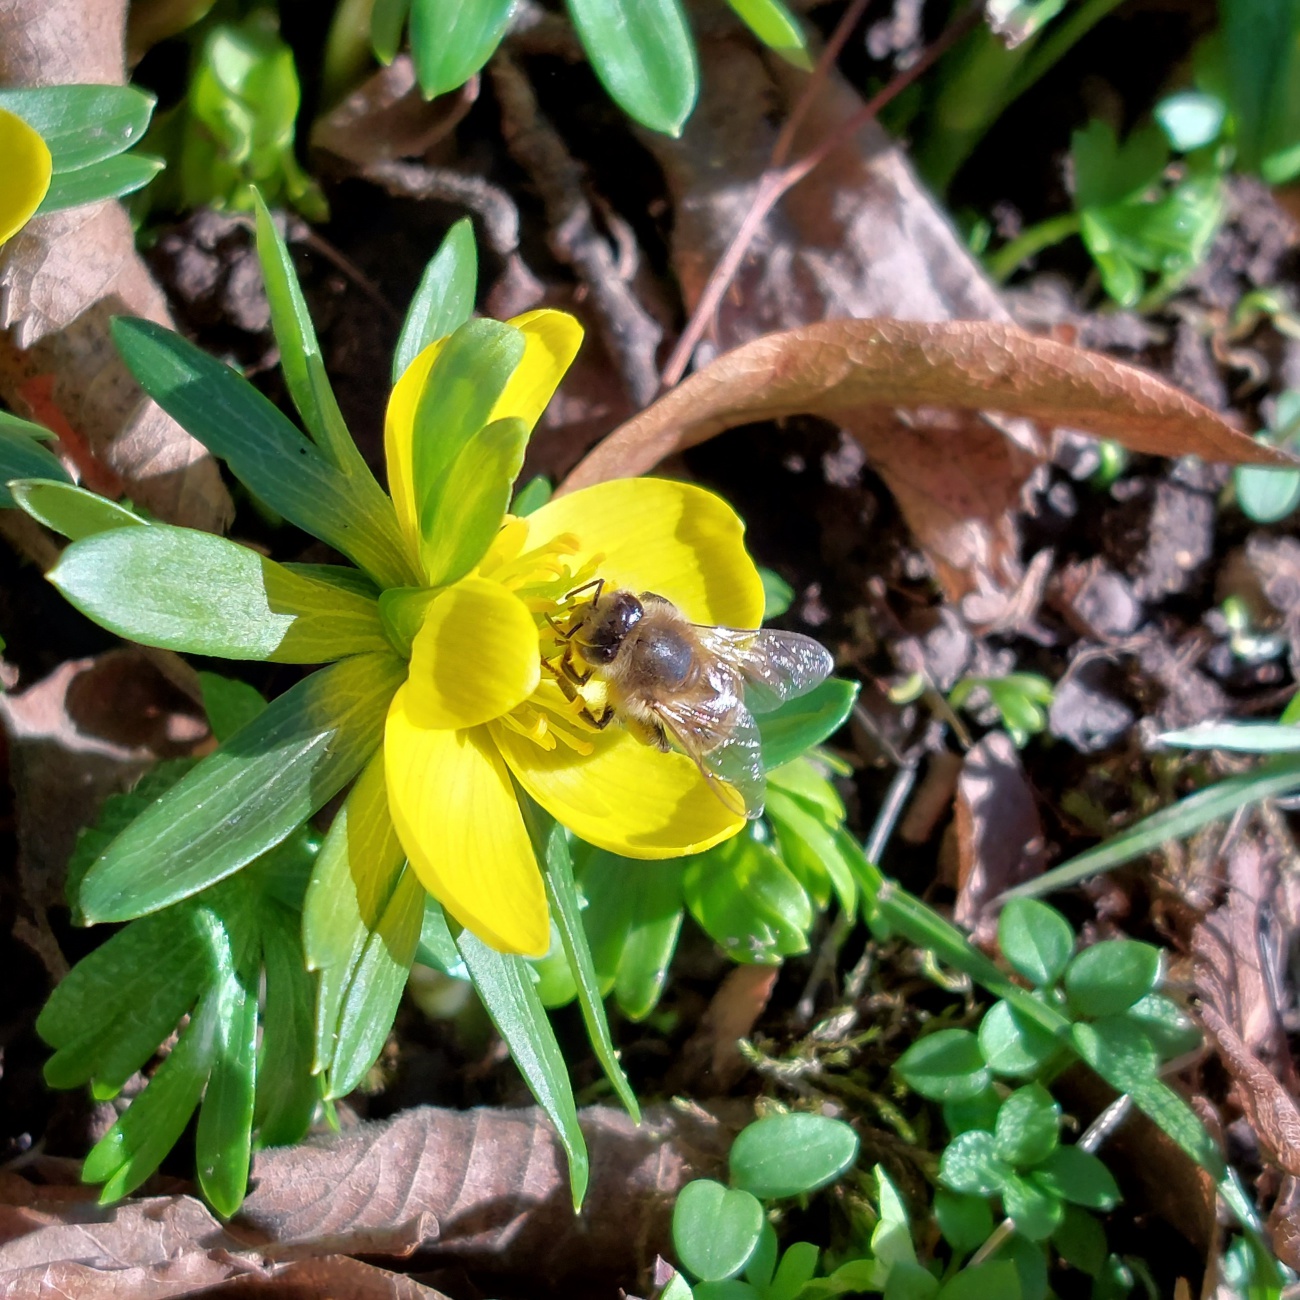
(673, 682)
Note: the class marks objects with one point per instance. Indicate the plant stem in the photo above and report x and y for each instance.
(1001, 264)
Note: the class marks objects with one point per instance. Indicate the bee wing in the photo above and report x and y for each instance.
(775, 666)
(720, 736)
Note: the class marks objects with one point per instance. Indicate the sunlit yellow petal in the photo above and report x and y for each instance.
(399, 436)
(474, 658)
(457, 817)
(551, 341)
(675, 539)
(25, 167)
(624, 796)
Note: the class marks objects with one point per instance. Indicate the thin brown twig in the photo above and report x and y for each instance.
(774, 183)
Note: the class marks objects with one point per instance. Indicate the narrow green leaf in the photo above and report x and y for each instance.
(1035, 939)
(467, 506)
(180, 589)
(506, 988)
(111, 179)
(82, 125)
(643, 53)
(1275, 777)
(70, 510)
(230, 704)
(134, 1147)
(369, 1004)
(1240, 737)
(263, 449)
(451, 42)
(301, 360)
(223, 1140)
(715, 1229)
(791, 1155)
(23, 457)
(797, 1268)
(551, 848)
(444, 300)
(776, 27)
(808, 720)
(655, 923)
(248, 795)
(287, 1091)
(466, 380)
(387, 19)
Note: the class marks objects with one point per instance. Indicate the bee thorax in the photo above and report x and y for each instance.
(665, 656)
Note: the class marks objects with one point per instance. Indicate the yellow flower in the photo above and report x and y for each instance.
(26, 167)
(478, 714)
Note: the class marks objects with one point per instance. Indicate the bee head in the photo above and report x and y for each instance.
(611, 618)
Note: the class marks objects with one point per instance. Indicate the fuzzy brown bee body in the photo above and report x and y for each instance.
(673, 682)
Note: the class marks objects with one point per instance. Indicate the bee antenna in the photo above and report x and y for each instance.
(597, 583)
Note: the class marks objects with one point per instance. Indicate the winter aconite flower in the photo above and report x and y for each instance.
(26, 167)
(479, 715)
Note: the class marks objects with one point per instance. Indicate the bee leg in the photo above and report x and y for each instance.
(598, 584)
(577, 678)
(600, 723)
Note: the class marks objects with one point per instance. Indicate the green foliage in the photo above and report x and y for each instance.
(1021, 701)
(233, 136)
(23, 457)
(88, 130)
(642, 50)
(790, 1155)
(1267, 495)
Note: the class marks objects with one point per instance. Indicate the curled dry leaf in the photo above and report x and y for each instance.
(489, 1189)
(710, 1062)
(61, 279)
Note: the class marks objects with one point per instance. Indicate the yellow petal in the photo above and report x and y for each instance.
(399, 435)
(625, 796)
(457, 817)
(474, 658)
(25, 165)
(678, 540)
(551, 341)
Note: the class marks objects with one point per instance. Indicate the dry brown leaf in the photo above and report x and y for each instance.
(851, 366)
(710, 1063)
(63, 276)
(489, 1189)
(999, 835)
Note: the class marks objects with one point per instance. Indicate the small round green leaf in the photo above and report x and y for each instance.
(1170, 1029)
(1035, 939)
(998, 1279)
(1080, 1177)
(1081, 1241)
(788, 1155)
(908, 1280)
(1028, 1126)
(715, 1229)
(1035, 1210)
(979, 1111)
(965, 1221)
(1012, 1044)
(945, 1066)
(1111, 976)
(970, 1164)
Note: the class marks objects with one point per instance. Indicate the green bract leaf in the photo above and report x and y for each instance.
(970, 1164)
(715, 1230)
(468, 377)
(811, 849)
(23, 457)
(1027, 1127)
(1111, 976)
(551, 847)
(181, 589)
(387, 19)
(776, 27)
(110, 179)
(788, 1155)
(470, 501)
(801, 723)
(304, 367)
(450, 43)
(945, 1066)
(444, 300)
(70, 510)
(82, 125)
(1035, 939)
(1013, 1045)
(506, 988)
(248, 795)
(747, 901)
(229, 704)
(1079, 1177)
(643, 54)
(263, 449)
